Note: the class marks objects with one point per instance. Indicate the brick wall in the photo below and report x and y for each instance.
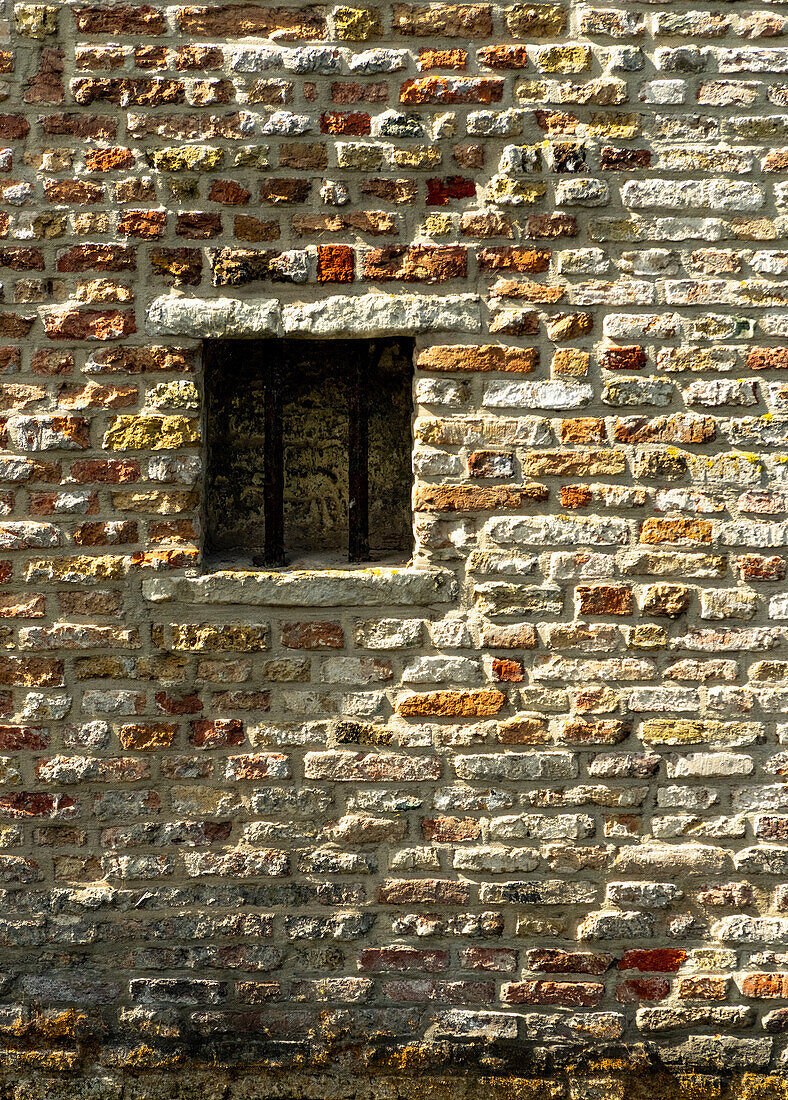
(517, 809)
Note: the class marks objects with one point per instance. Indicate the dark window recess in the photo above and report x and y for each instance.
(309, 449)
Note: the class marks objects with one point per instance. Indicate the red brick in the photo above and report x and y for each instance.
(703, 987)
(488, 223)
(182, 266)
(112, 471)
(141, 360)
(13, 326)
(425, 991)
(665, 429)
(312, 635)
(75, 192)
(198, 226)
(500, 959)
(22, 259)
(16, 738)
(10, 360)
(242, 700)
(473, 498)
(376, 960)
(216, 733)
(243, 20)
(128, 91)
(504, 57)
(624, 160)
(506, 670)
(247, 228)
(90, 324)
(441, 191)
(583, 731)
(445, 830)
(303, 155)
(756, 567)
(13, 127)
(108, 160)
(468, 155)
(47, 84)
(31, 672)
(229, 193)
(137, 20)
(604, 599)
(106, 534)
(423, 891)
(75, 125)
(537, 992)
(442, 59)
(550, 225)
(767, 358)
(576, 496)
(417, 264)
(552, 960)
(396, 191)
(335, 263)
(351, 91)
(623, 358)
(441, 89)
(146, 224)
(665, 960)
(635, 990)
(150, 57)
(765, 986)
(198, 58)
(97, 257)
(342, 122)
(478, 357)
(22, 804)
(278, 191)
(512, 258)
(256, 766)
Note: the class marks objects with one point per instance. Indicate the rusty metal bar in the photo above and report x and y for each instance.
(358, 455)
(273, 458)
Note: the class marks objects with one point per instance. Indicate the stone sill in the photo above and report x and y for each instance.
(410, 586)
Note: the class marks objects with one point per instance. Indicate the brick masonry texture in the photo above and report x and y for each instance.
(512, 817)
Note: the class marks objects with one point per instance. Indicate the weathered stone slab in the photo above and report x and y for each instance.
(383, 315)
(212, 317)
(309, 588)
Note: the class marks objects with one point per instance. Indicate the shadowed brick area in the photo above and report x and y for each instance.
(506, 817)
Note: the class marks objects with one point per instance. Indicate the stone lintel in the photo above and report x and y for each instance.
(364, 315)
(212, 317)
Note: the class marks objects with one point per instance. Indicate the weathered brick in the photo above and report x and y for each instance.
(452, 703)
(518, 800)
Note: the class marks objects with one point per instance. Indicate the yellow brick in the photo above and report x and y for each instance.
(151, 433)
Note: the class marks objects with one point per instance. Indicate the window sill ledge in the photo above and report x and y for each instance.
(364, 587)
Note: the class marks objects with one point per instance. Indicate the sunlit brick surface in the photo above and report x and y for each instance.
(516, 810)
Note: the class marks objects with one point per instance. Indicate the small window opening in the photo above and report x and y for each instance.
(309, 450)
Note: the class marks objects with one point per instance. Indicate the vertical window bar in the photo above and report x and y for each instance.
(358, 455)
(273, 460)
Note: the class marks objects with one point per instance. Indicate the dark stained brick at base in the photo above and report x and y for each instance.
(281, 1069)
